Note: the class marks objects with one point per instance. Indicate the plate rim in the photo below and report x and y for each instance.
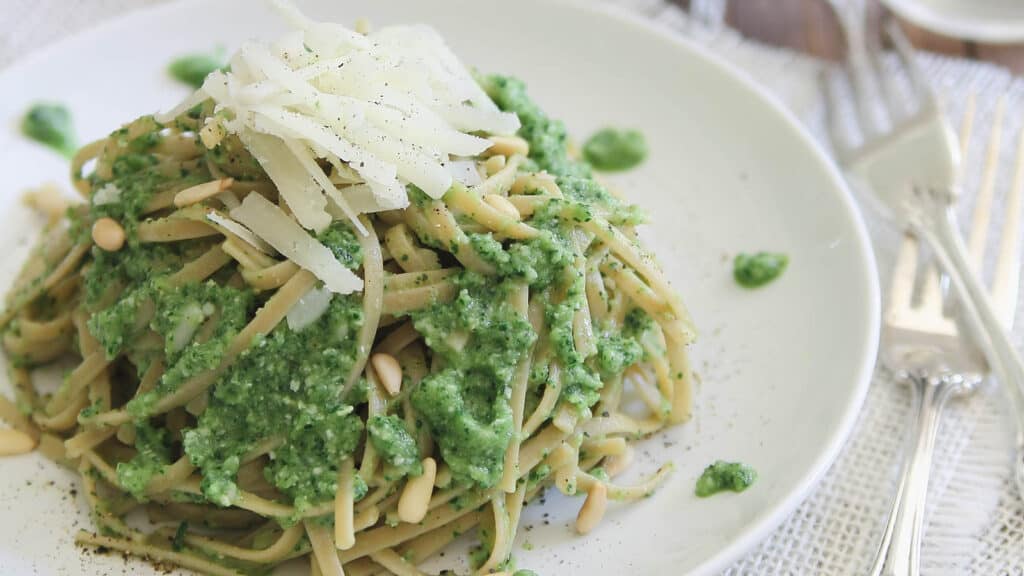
(977, 30)
(757, 531)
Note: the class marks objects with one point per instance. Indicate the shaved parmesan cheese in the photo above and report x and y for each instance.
(295, 185)
(109, 193)
(387, 109)
(309, 308)
(360, 198)
(271, 224)
(464, 171)
(239, 230)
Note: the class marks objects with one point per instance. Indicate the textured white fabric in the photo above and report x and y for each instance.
(975, 520)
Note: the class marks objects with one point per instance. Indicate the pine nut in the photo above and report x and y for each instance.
(493, 164)
(108, 234)
(201, 192)
(593, 508)
(412, 505)
(389, 372)
(15, 442)
(501, 204)
(508, 146)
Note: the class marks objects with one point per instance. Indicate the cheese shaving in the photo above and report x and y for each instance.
(271, 224)
(394, 107)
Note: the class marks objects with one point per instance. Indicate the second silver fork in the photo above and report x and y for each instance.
(924, 347)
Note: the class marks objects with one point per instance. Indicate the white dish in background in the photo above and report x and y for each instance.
(784, 369)
(991, 21)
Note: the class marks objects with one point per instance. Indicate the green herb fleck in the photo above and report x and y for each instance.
(179, 536)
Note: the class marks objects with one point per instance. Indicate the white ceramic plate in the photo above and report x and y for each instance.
(992, 21)
(784, 368)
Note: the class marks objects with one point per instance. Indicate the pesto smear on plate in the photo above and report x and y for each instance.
(756, 270)
(50, 124)
(722, 476)
(613, 150)
(192, 69)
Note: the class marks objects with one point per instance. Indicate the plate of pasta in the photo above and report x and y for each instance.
(406, 288)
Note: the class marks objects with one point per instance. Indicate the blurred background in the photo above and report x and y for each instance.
(810, 26)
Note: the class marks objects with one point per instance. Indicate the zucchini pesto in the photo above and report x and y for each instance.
(273, 340)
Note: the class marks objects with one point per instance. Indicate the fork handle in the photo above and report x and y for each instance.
(942, 234)
(899, 553)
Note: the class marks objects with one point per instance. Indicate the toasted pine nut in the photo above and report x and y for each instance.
(108, 234)
(507, 146)
(501, 204)
(389, 372)
(493, 164)
(593, 508)
(615, 465)
(415, 498)
(15, 442)
(201, 192)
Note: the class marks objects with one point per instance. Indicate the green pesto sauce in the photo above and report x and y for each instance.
(136, 177)
(754, 270)
(50, 124)
(192, 69)
(134, 265)
(285, 386)
(191, 305)
(611, 150)
(722, 476)
(154, 454)
(466, 403)
(396, 446)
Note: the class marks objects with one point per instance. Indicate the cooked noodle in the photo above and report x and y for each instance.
(589, 315)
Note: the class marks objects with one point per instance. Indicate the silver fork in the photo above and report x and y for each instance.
(923, 346)
(909, 162)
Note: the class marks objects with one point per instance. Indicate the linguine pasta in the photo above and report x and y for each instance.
(358, 392)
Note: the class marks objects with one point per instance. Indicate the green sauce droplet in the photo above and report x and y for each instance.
(50, 124)
(722, 476)
(613, 150)
(754, 270)
(192, 69)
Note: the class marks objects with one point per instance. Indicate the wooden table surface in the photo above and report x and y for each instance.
(811, 27)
